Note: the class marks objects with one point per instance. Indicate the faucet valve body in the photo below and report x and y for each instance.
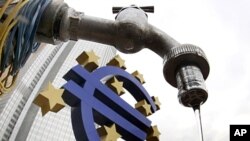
(186, 67)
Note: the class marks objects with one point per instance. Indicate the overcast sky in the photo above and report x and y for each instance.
(221, 28)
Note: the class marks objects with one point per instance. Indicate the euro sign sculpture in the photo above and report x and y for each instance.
(98, 112)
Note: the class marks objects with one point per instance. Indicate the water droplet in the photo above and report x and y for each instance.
(197, 113)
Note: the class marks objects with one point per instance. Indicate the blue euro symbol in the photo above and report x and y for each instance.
(93, 102)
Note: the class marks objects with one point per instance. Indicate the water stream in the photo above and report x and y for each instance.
(197, 113)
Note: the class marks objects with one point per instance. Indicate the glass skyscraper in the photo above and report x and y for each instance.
(20, 119)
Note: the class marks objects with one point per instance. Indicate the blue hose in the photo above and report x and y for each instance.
(21, 39)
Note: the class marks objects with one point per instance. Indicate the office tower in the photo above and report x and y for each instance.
(20, 119)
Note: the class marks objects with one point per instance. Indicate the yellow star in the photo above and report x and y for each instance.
(50, 100)
(108, 133)
(157, 102)
(143, 107)
(115, 85)
(139, 77)
(89, 60)
(153, 134)
(118, 62)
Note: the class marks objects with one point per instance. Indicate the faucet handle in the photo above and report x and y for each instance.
(149, 9)
(116, 10)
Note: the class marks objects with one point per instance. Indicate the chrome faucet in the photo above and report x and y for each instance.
(185, 65)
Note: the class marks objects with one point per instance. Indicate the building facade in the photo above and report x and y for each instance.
(20, 119)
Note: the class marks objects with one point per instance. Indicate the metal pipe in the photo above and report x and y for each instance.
(81, 26)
